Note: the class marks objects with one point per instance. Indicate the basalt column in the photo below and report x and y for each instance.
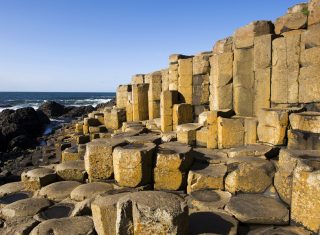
(221, 75)
(123, 93)
(185, 80)
(168, 99)
(247, 85)
(155, 86)
(140, 102)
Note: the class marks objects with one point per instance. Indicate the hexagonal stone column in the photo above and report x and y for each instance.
(306, 121)
(305, 200)
(70, 154)
(90, 190)
(71, 226)
(186, 133)
(250, 176)
(58, 191)
(208, 199)
(273, 124)
(204, 176)
(173, 161)
(25, 207)
(71, 170)
(38, 178)
(98, 158)
(148, 208)
(104, 213)
(132, 164)
(145, 212)
(257, 209)
(10, 188)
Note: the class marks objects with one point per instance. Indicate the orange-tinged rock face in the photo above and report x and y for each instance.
(133, 164)
(305, 203)
(244, 36)
(314, 12)
(291, 21)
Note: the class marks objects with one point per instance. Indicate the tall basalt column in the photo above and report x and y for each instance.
(172, 164)
(165, 79)
(168, 99)
(155, 87)
(173, 71)
(200, 81)
(98, 158)
(286, 68)
(244, 84)
(262, 72)
(221, 75)
(132, 164)
(185, 79)
(123, 92)
(138, 79)
(182, 113)
(305, 199)
(140, 102)
(309, 76)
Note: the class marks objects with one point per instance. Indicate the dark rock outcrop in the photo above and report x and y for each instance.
(22, 142)
(72, 112)
(52, 109)
(24, 123)
(110, 103)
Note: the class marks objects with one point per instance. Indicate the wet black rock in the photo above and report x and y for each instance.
(73, 112)
(52, 109)
(55, 110)
(22, 142)
(24, 122)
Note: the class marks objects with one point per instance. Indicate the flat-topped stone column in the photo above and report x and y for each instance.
(138, 79)
(185, 79)
(168, 99)
(173, 161)
(145, 212)
(221, 75)
(132, 164)
(212, 125)
(155, 87)
(288, 160)
(116, 117)
(140, 102)
(165, 79)
(38, 178)
(182, 113)
(123, 92)
(186, 133)
(173, 71)
(230, 132)
(258, 209)
(273, 123)
(305, 200)
(98, 158)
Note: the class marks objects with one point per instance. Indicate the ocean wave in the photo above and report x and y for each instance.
(70, 102)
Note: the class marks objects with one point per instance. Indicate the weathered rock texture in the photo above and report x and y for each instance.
(227, 141)
(133, 164)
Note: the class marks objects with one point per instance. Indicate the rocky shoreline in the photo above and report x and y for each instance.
(222, 142)
(27, 136)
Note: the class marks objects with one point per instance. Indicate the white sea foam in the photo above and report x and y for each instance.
(75, 103)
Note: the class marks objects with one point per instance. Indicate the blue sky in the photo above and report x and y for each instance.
(95, 45)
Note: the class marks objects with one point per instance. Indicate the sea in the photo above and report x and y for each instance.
(16, 100)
